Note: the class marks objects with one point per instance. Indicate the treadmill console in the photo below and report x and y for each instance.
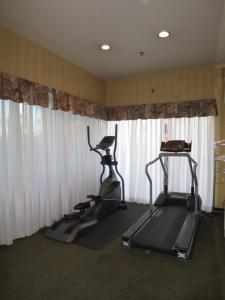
(175, 146)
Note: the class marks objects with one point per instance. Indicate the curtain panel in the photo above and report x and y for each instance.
(21, 90)
(46, 166)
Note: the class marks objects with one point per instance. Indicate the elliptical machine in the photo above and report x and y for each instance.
(111, 196)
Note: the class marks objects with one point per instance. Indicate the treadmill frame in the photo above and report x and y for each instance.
(183, 245)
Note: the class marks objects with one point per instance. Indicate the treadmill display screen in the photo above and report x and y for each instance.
(175, 146)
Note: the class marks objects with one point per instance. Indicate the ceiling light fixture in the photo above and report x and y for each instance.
(164, 34)
(105, 47)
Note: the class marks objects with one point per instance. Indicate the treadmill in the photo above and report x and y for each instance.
(170, 224)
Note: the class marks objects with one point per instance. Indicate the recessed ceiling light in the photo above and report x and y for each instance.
(105, 47)
(164, 34)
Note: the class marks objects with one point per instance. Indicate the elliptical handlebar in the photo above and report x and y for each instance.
(89, 143)
(88, 137)
(115, 144)
(117, 171)
(98, 152)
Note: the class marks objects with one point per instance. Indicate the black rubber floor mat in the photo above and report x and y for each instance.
(111, 227)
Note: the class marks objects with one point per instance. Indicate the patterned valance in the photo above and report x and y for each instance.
(197, 108)
(22, 90)
(67, 102)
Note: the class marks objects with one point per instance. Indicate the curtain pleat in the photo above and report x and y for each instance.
(199, 131)
(139, 142)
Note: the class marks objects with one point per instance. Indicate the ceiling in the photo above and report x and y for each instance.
(74, 29)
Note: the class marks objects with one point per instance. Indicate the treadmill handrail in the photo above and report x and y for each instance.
(150, 180)
(193, 170)
(182, 154)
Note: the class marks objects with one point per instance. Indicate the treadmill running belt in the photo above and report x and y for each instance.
(161, 231)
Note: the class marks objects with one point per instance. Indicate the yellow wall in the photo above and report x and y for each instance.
(172, 85)
(220, 128)
(23, 58)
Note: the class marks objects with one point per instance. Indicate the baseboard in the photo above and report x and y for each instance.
(218, 210)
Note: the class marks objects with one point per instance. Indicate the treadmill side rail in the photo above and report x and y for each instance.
(127, 235)
(186, 236)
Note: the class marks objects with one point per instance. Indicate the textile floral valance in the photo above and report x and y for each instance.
(22, 90)
(197, 108)
(67, 102)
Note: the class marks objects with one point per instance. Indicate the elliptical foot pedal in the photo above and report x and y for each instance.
(95, 198)
(82, 206)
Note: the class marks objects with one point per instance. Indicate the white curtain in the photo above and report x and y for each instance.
(139, 143)
(46, 165)
(199, 131)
